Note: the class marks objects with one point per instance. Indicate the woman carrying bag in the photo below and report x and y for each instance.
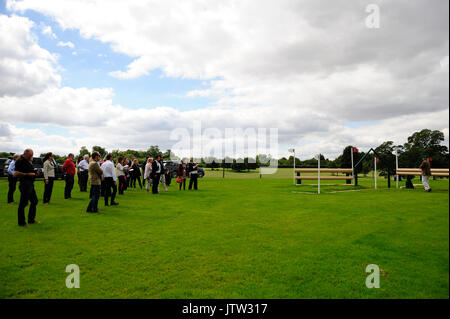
(181, 172)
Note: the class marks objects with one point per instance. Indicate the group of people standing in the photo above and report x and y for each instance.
(105, 177)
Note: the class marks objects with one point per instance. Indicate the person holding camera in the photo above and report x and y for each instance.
(193, 174)
(26, 174)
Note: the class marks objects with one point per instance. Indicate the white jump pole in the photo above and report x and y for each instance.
(396, 168)
(292, 150)
(353, 168)
(294, 167)
(375, 173)
(318, 175)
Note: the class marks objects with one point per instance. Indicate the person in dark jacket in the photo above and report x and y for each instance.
(157, 169)
(168, 177)
(193, 174)
(26, 174)
(135, 174)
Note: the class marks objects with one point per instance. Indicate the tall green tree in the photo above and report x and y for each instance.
(424, 144)
(153, 151)
(83, 151)
(99, 149)
(387, 158)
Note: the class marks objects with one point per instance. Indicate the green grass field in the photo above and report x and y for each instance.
(238, 237)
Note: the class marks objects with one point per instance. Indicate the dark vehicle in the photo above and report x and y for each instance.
(59, 174)
(201, 172)
(173, 168)
(38, 166)
(4, 163)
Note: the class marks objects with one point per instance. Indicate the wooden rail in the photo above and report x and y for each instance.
(441, 172)
(324, 170)
(324, 177)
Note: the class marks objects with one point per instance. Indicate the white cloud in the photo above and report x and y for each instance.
(66, 44)
(305, 67)
(47, 30)
(25, 68)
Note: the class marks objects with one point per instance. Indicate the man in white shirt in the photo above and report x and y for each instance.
(110, 180)
(83, 168)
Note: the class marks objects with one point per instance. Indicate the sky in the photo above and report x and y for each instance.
(131, 74)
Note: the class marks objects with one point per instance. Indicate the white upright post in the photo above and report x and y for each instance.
(396, 168)
(353, 169)
(375, 173)
(318, 175)
(294, 168)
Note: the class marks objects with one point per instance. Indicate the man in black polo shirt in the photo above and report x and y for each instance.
(24, 171)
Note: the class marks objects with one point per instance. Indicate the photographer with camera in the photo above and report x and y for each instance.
(193, 174)
(26, 174)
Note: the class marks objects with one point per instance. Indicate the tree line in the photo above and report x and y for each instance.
(423, 144)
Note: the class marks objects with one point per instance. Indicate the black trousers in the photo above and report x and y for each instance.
(12, 181)
(156, 177)
(69, 186)
(48, 189)
(79, 179)
(109, 184)
(121, 184)
(27, 194)
(193, 180)
(133, 181)
(95, 196)
(84, 176)
(183, 183)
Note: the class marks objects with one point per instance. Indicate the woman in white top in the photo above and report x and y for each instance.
(49, 176)
(120, 175)
(147, 173)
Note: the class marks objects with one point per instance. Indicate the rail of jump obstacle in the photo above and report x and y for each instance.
(438, 172)
(351, 177)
